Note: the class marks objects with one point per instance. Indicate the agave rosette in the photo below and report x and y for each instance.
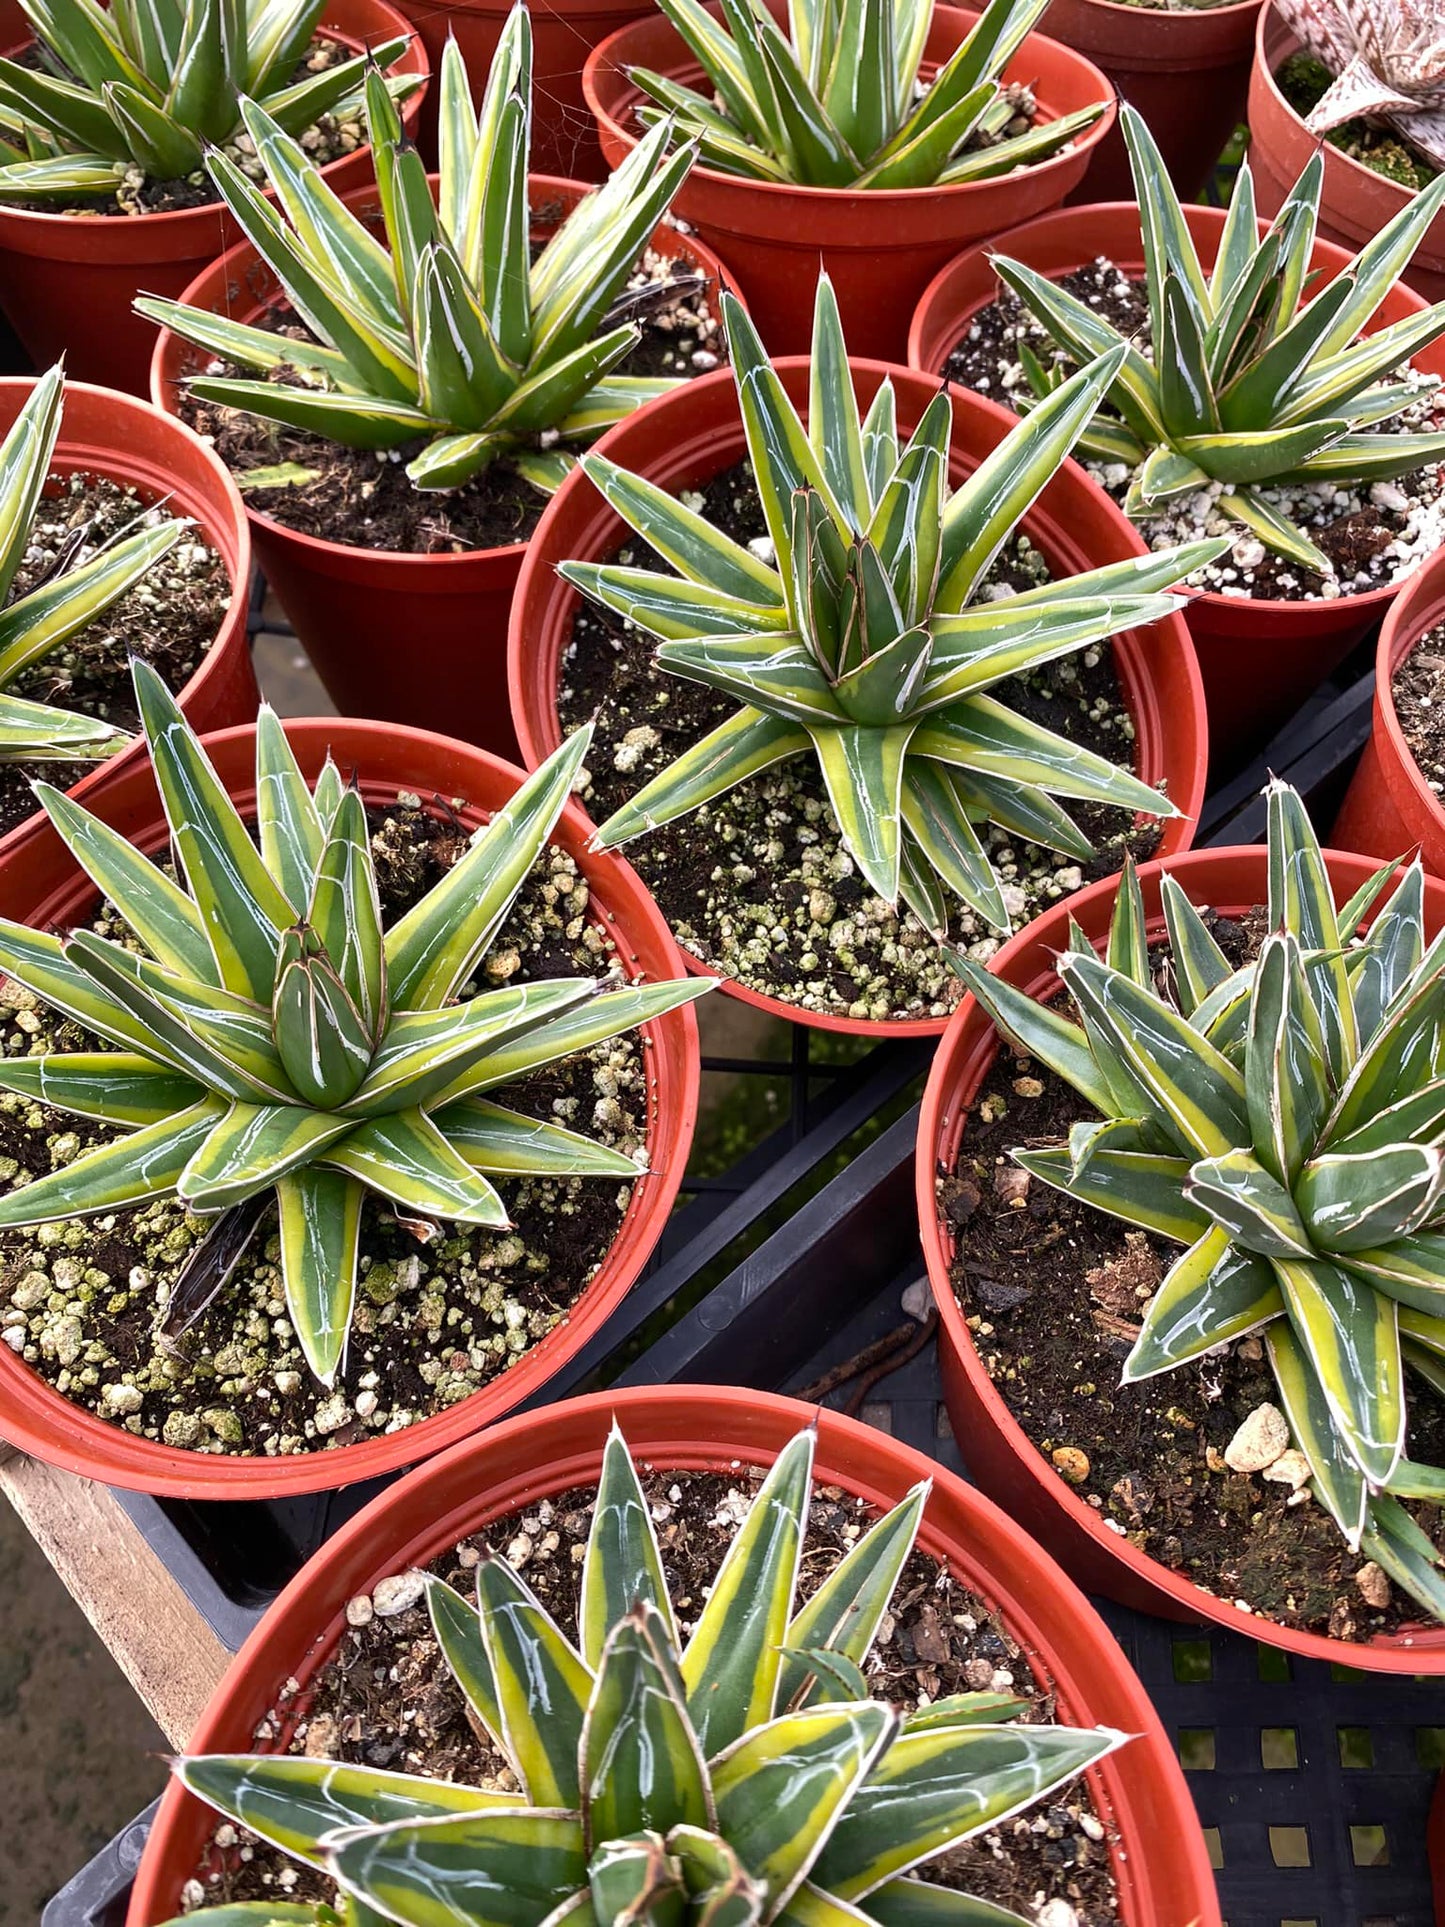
(1285, 1121)
(447, 333)
(1388, 58)
(150, 84)
(873, 644)
(1257, 378)
(832, 96)
(270, 1038)
(736, 1777)
(65, 600)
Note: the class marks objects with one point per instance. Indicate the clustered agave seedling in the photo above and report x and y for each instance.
(449, 335)
(1285, 1121)
(149, 84)
(738, 1778)
(272, 1038)
(872, 645)
(1388, 59)
(1250, 384)
(836, 100)
(66, 600)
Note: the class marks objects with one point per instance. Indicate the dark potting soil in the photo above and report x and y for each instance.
(1053, 1291)
(433, 1322)
(1418, 686)
(386, 1698)
(758, 883)
(331, 139)
(170, 617)
(1372, 535)
(1304, 82)
(363, 498)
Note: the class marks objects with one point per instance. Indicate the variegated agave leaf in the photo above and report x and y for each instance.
(739, 1778)
(831, 97)
(1285, 1122)
(64, 601)
(150, 86)
(873, 644)
(1257, 376)
(447, 335)
(1388, 58)
(272, 1038)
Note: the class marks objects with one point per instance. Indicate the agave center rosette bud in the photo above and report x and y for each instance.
(1388, 57)
(738, 1777)
(151, 85)
(272, 1038)
(834, 97)
(1285, 1121)
(449, 335)
(873, 644)
(1256, 378)
(65, 600)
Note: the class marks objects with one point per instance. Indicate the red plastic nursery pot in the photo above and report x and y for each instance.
(879, 248)
(1259, 659)
(136, 445)
(1159, 1858)
(67, 281)
(43, 886)
(1000, 1455)
(419, 638)
(1187, 73)
(1356, 202)
(686, 439)
(1389, 807)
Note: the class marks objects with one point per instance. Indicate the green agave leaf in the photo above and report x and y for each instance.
(253, 1146)
(863, 773)
(731, 1663)
(287, 821)
(1338, 1480)
(1287, 1075)
(427, 1056)
(670, 607)
(937, 817)
(37, 959)
(965, 1709)
(918, 1903)
(357, 421)
(320, 1035)
(1353, 1341)
(1356, 1202)
(1143, 1188)
(115, 1086)
(1251, 1204)
(144, 1164)
(1215, 1292)
(844, 1614)
(1128, 946)
(811, 1907)
(695, 548)
(405, 1158)
(458, 1630)
(834, 428)
(641, 1766)
(635, 1878)
(777, 673)
(320, 1242)
(60, 608)
(591, 1023)
(542, 1685)
(1083, 335)
(1396, 1543)
(505, 1142)
(984, 645)
(25, 456)
(622, 1567)
(782, 457)
(745, 744)
(833, 1678)
(934, 1789)
(1039, 1031)
(1392, 951)
(497, 1869)
(344, 911)
(1399, 1057)
(1411, 1270)
(784, 1787)
(1200, 966)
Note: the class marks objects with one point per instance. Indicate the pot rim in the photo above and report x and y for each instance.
(724, 1424)
(1405, 628)
(1206, 225)
(45, 1424)
(937, 1128)
(520, 664)
(605, 60)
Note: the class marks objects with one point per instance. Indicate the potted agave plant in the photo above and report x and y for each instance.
(824, 758)
(120, 536)
(1230, 1408)
(879, 136)
(1273, 391)
(289, 1085)
(1184, 65)
(105, 118)
(645, 1732)
(1368, 76)
(397, 442)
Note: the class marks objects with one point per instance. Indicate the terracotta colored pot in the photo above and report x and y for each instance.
(1000, 1455)
(1259, 659)
(67, 281)
(1159, 1860)
(564, 32)
(1356, 202)
(1187, 73)
(417, 638)
(103, 433)
(879, 248)
(686, 439)
(1389, 807)
(43, 886)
